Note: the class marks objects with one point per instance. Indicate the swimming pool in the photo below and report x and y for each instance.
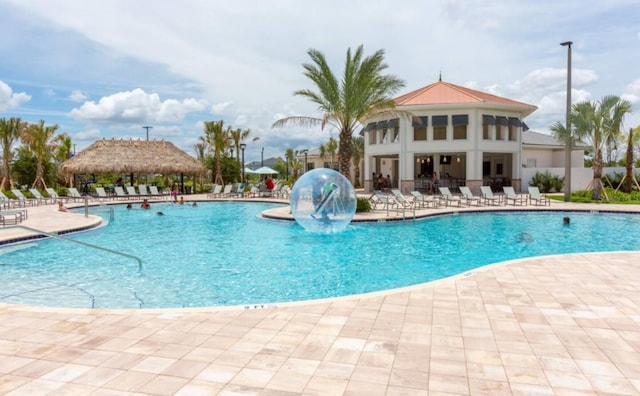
(222, 253)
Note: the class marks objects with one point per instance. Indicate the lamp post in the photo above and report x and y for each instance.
(286, 163)
(568, 143)
(147, 128)
(305, 152)
(242, 147)
(262, 157)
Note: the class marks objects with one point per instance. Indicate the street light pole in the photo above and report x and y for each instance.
(262, 157)
(147, 128)
(305, 151)
(286, 156)
(569, 137)
(242, 147)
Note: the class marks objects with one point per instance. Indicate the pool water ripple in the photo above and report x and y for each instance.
(223, 254)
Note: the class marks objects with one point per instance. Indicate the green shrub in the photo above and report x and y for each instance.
(363, 205)
(547, 182)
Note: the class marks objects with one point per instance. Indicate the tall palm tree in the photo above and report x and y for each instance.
(61, 146)
(358, 153)
(346, 102)
(10, 131)
(294, 163)
(596, 122)
(218, 139)
(38, 138)
(329, 148)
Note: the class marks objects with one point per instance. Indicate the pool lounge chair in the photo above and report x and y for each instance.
(536, 198)
(102, 194)
(131, 192)
(22, 200)
(424, 201)
(489, 198)
(74, 194)
(153, 190)
(120, 194)
(402, 200)
(510, 195)
(238, 191)
(227, 190)
(215, 191)
(386, 200)
(7, 202)
(448, 197)
(41, 198)
(468, 196)
(54, 195)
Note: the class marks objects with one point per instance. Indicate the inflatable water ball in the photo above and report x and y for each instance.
(322, 200)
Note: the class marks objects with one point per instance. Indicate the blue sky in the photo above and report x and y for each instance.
(105, 69)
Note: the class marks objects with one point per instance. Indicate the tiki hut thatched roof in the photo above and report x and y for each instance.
(132, 156)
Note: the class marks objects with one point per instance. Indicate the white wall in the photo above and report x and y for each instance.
(580, 177)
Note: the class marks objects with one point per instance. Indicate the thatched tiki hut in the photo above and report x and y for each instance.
(132, 157)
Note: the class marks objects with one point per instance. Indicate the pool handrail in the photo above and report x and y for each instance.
(56, 236)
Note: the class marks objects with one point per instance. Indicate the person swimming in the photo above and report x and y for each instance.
(159, 213)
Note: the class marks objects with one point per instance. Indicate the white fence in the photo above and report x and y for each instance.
(580, 177)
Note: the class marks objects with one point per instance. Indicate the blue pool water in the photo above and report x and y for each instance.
(224, 254)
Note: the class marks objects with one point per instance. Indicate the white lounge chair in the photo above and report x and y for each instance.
(448, 197)
(131, 192)
(102, 194)
(536, 198)
(215, 191)
(424, 201)
(74, 194)
(119, 192)
(227, 190)
(41, 198)
(468, 196)
(402, 200)
(510, 195)
(7, 202)
(489, 198)
(155, 193)
(22, 200)
(54, 195)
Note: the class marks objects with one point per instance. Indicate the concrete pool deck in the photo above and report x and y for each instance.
(567, 324)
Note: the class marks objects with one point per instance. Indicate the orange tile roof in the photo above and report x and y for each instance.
(446, 93)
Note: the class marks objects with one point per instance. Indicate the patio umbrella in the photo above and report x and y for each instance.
(249, 170)
(265, 170)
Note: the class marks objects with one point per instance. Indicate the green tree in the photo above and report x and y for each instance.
(357, 142)
(295, 163)
(596, 122)
(218, 139)
(347, 102)
(330, 148)
(61, 147)
(10, 131)
(38, 138)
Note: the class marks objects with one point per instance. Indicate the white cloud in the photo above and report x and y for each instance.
(10, 100)
(137, 106)
(78, 96)
(88, 135)
(50, 92)
(220, 108)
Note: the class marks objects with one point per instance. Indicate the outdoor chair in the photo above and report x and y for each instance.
(22, 200)
(75, 194)
(468, 196)
(102, 194)
(448, 197)
(215, 191)
(424, 201)
(119, 192)
(536, 198)
(510, 195)
(41, 198)
(489, 198)
(131, 192)
(153, 190)
(402, 200)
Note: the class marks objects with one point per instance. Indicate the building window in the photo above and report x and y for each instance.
(310, 165)
(460, 122)
(514, 124)
(335, 166)
(371, 128)
(440, 127)
(487, 122)
(501, 126)
(419, 125)
(394, 126)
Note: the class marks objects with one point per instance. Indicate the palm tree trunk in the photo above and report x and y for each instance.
(344, 153)
(629, 163)
(356, 176)
(597, 176)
